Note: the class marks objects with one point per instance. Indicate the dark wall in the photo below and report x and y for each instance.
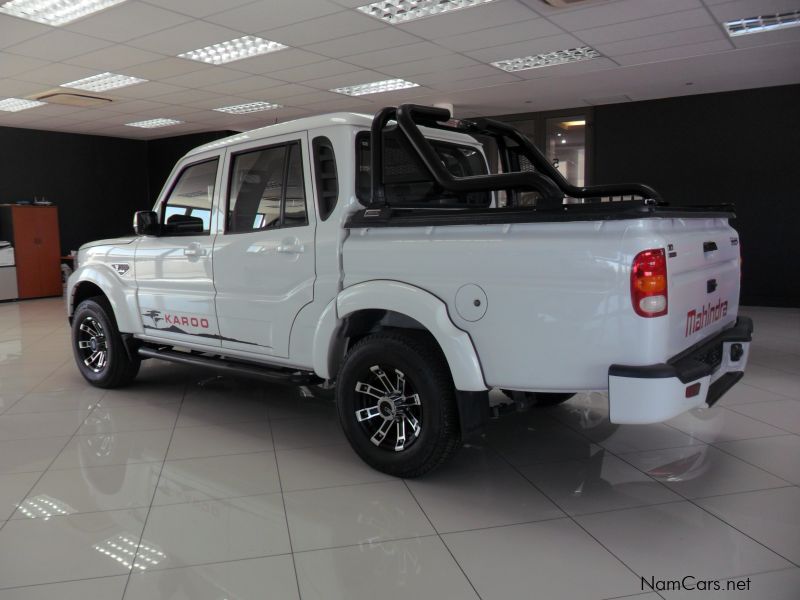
(96, 182)
(740, 147)
(164, 153)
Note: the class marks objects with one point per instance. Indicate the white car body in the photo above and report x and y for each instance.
(543, 306)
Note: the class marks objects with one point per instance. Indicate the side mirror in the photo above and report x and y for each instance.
(145, 222)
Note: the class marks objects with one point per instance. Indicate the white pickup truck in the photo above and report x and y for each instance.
(388, 257)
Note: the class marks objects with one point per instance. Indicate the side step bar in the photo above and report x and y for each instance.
(232, 367)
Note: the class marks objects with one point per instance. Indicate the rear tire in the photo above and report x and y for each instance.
(397, 404)
(98, 347)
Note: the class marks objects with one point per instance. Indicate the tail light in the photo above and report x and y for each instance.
(649, 283)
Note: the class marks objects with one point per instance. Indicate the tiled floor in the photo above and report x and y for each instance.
(190, 486)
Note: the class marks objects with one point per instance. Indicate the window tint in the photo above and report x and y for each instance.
(407, 180)
(267, 190)
(189, 202)
(327, 178)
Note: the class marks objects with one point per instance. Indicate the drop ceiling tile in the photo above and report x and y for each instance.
(198, 8)
(667, 54)
(57, 45)
(526, 48)
(54, 74)
(321, 29)
(742, 9)
(399, 54)
(498, 36)
(429, 65)
(663, 40)
(165, 68)
(55, 110)
(14, 88)
(14, 65)
(260, 16)
(185, 96)
(618, 12)
(244, 84)
(148, 90)
(114, 58)
(217, 101)
(377, 39)
(127, 21)
(497, 78)
(130, 107)
(14, 31)
(344, 104)
(276, 61)
(185, 37)
(314, 98)
(569, 69)
(677, 21)
(336, 81)
(278, 92)
(206, 76)
(474, 18)
(325, 68)
(471, 72)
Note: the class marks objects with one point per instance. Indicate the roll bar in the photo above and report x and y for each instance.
(546, 180)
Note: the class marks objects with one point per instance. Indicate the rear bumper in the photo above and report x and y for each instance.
(655, 393)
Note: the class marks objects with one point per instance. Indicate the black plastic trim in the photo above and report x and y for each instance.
(688, 366)
(326, 175)
(473, 412)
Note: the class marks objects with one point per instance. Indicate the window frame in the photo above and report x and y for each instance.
(231, 163)
(162, 207)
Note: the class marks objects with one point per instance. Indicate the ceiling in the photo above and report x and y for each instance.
(650, 49)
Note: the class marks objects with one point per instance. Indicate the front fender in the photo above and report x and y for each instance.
(121, 294)
(421, 306)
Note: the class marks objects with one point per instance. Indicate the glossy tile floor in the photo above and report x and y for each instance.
(190, 486)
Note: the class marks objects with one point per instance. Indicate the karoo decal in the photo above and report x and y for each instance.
(172, 323)
(697, 319)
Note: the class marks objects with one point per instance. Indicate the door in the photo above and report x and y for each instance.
(264, 264)
(174, 270)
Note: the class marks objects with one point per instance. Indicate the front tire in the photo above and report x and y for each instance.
(98, 347)
(397, 404)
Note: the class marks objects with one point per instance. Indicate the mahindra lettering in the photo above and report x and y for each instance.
(384, 257)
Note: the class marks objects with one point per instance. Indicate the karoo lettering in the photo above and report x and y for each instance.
(697, 319)
(192, 321)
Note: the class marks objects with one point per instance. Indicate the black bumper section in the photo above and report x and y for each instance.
(693, 363)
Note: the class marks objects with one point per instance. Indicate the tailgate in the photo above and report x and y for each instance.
(703, 275)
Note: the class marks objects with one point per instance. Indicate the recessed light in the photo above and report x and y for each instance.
(238, 49)
(18, 104)
(55, 12)
(250, 107)
(375, 87)
(549, 59)
(763, 23)
(402, 11)
(103, 82)
(153, 123)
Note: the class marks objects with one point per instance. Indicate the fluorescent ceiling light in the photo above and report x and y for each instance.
(573, 123)
(55, 12)
(225, 52)
(153, 123)
(559, 57)
(402, 11)
(376, 87)
(763, 23)
(18, 104)
(103, 82)
(250, 107)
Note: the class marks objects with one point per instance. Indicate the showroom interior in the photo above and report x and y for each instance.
(201, 480)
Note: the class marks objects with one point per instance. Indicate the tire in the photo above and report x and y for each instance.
(98, 347)
(542, 399)
(392, 384)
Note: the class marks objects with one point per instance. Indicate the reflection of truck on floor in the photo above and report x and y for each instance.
(382, 256)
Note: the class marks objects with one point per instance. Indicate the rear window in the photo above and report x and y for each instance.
(407, 181)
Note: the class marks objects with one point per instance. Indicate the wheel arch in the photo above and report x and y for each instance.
(90, 282)
(374, 305)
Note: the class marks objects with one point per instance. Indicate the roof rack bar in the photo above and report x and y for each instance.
(376, 154)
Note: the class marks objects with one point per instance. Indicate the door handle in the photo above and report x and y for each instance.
(194, 250)
(290, 246)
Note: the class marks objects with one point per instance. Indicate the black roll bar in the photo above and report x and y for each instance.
(546, 180)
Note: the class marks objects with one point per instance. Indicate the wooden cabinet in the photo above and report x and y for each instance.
(33, 230)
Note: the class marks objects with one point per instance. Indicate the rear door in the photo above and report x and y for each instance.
(703, 274)
(174, 270)
(264, 264)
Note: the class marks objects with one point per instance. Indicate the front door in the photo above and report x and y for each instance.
(174, 270)
(264, 267)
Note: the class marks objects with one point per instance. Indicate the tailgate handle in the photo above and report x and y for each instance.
(709, 246)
